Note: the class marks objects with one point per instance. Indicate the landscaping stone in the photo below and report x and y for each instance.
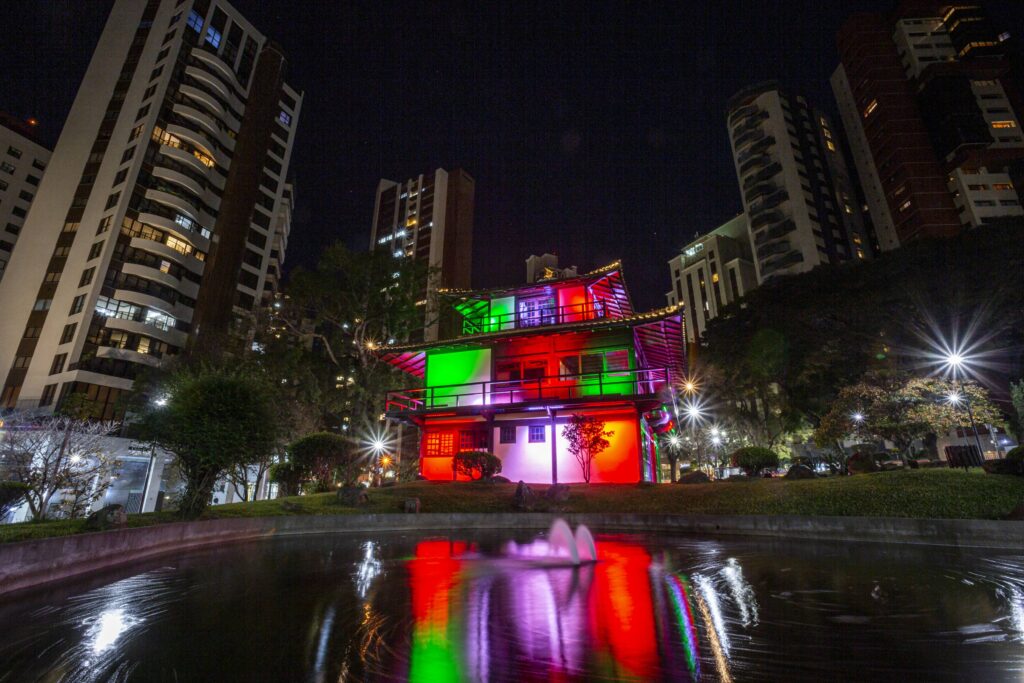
(697, 477)
(108, 517)
(557, 493)
(800, 471)
(524, 498)
(353, 496)
(411, 505)
(891, 465)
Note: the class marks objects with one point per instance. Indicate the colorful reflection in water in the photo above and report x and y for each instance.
(606, 620)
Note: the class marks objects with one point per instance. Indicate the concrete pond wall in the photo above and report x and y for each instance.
(28, 564)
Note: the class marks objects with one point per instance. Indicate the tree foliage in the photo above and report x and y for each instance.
(328, 458)
(754, 459)
(11, 495)
(901, 408)
(1017, 400)
(587, 439)
(477, 464)
(58, 454)
(213, 419)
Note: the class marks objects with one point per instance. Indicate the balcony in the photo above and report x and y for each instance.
(766, 219)
(539, 317)
(764, 174)
(541, 390)
(791, 258)
(751, 136)
(755, 149)
(743, 112)
(764, 189)
(775, 232)
(759, 160)
(768, 203)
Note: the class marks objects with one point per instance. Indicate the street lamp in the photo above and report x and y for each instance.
(857, 417)
(955, 362)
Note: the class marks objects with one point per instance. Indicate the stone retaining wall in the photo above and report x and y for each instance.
(33, 563)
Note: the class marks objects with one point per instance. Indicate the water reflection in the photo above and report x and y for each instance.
(453, 609)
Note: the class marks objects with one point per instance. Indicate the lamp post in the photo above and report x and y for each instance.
(955, 361)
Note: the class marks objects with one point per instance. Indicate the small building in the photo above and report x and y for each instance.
(529, 358)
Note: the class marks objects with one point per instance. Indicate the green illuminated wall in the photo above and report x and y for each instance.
(506, 307)
(611, 382)
(446, 368)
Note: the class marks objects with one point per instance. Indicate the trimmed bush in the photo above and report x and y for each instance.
(754, 459)
(477, 464)
(1016, 454)
(328, 458)
(289, 477)
(861, 463)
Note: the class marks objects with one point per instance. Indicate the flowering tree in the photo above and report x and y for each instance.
(587, 439)
(58, 454)
(901, 408)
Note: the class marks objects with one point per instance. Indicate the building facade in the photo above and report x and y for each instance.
(931, 104)
(711, 272)
(153, 228)
(797, 191)
(23, 159)
(531, 357)
(429, 218)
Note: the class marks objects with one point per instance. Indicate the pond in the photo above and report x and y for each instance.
(447, 607)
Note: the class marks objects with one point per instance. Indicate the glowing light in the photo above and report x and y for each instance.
(857, 417)
(75, 459)
(160, 401)
(953, 398)
(673, 440)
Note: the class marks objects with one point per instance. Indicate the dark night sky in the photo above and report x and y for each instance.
(595, 131)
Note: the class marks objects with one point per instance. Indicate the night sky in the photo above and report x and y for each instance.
(593, 131)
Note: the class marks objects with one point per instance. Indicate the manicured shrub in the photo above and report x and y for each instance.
(1016, 454)
(860, 463)
(289, 477)
(754, 459)
(477, 464)
(329, 458)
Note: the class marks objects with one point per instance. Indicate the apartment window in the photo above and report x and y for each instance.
(1004, 124)
(42, 305)
(32, 332)
(70, 227)
(508, 434)
(3, 185)
(86, 277)
(872, 106)
(25, 196)
(136, 132)
(6, 167)
(1002, 187)
(142, 112)
(13, 229)
(68, 333)
(19, 212)
(195, 21)
(77, 305)
(537, 434)
(143, 346)
(120, 177)
(1008, 202)
(112, 200)
(32, 180)
(905, 206)
(38, 164)
(213, 36)
(163, 53)
(49, 391)
(22, 361)
(128, 154)
(104, 225)
(14, 152)
(57, 366)
(977, 188)
(95, 251)
(284, 118)
(985, 202)
(156, 73)
(52, 276)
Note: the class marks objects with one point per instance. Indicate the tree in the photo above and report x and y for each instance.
(1017, 398)
(587, 438)
(289, 476)
(901, 408)
(11, 494)
(328, 457)
(58, 454)
(212, 419)
(754, 459)
(477, 464)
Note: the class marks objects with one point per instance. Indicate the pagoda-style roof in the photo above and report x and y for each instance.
(659, 340)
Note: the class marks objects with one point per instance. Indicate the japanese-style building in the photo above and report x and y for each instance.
(530, 357)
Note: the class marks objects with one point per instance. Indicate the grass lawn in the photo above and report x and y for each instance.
(937, 493)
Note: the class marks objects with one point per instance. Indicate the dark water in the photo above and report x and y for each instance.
(435, 609)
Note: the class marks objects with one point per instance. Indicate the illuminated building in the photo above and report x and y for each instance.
(153, 227)
(800, 201)
(711, 272)
(528, 359)
(931, 107)
(429, 218)
(23, 159)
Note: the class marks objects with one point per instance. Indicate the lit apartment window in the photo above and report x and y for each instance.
(872, 106)
(905, 206)
(831, 145)
(1002, 186)
(1004, 124)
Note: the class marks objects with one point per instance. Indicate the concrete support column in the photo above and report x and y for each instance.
(554, 445)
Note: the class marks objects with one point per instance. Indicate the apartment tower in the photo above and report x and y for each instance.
(23, 159)
(931, 105)
(429, 218)
(153, 228)
(797, 192)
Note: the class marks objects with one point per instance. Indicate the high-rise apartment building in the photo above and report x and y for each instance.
(932, 109)
(279, 245)
(153, 228)
(23, 159)
(712, 272)
(797, 192)
(429, 218)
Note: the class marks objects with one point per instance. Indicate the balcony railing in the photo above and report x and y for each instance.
(644, 382)
(538, 317)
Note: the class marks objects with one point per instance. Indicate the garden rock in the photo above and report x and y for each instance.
(411, 506)
(697, 477)
(557, 493)
(800, 472)
(353, 496)
(108, 517)
(524, 497)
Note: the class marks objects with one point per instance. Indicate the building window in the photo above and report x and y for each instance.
(7, 168)
(120, 177)
(213, 36)
(195, 21)
(22, 361)
(86, 277)
(284, 118)
(49, 391)
(905, 206)
(438, 444)
(473, 440)
(104, 225)
(95, 250)
(31, 180)
(42, 305)
(872, 106)
(78, 304)
(537, 433)
(1004, 124)
(128, 154)
(112, 200)
(14, 152)
(69, 333)
(57, 366)
(508, 434)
